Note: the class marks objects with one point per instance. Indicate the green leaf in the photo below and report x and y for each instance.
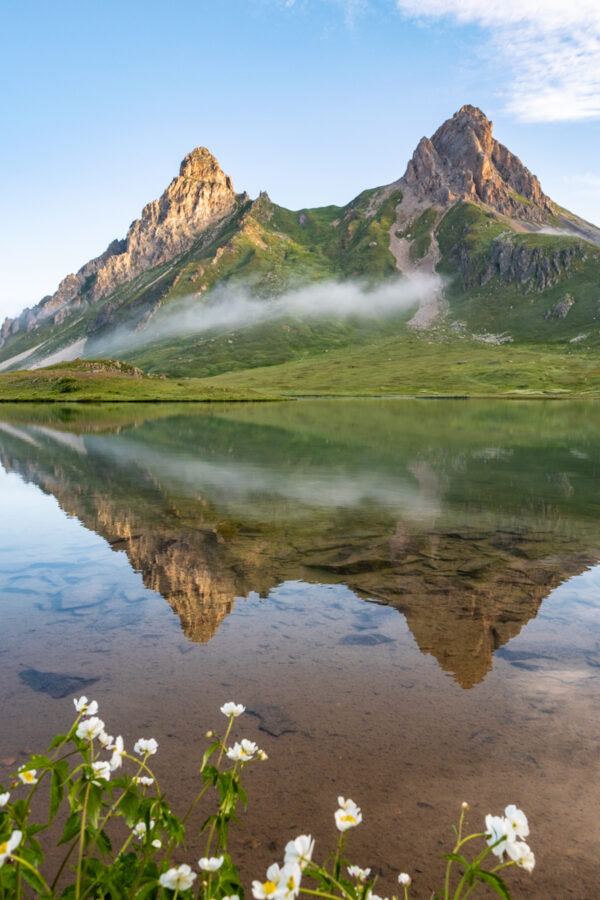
(72, 826)
(59, 739)
(147, 891)
(456, 857)
(208, 753)
(57, 786)
(495, 882)
(93, 804)
(103, 843)
(129, 807)
(39, 762)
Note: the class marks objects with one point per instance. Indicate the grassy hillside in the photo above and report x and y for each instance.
(108, 380)
(550, 292)
(416, 365)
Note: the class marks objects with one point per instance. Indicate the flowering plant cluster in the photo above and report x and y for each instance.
(119, 834)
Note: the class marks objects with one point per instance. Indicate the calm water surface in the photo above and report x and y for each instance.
(404, 594)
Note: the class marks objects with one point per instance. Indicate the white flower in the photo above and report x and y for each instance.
(8, 846)
(211, 863)
(157, 844)
(521, 854)
(149, 746)
(232, 897)
(243, 751)
(4, 798)
(262, 755)
(118, 749)
(265, 890)
(143, 779)
(349, 805)
(27, 776)
(495, 830)
(345, 819)
(88, 707)
(289, 884)
(139, 829)
(179, 879)
(404, 879)
(299, 851)
(88, 729)
(517, 822)
(371, 896)
(233, 710)
(358, 873)
(101, 770)
(465, 805)
(105, 740)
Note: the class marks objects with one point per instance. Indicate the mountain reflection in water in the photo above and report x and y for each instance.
(462, 516)
(286, 538)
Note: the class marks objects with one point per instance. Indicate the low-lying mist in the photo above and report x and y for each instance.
(229, 308)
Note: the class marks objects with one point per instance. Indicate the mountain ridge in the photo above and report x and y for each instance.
(466, 209)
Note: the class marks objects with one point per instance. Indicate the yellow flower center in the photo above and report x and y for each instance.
(3, 847)
(269, 887)
(348, 818)
(27, 776)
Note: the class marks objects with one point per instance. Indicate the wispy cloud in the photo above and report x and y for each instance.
(550, 49)
(350, 9)
(587, 182)
(229, 308)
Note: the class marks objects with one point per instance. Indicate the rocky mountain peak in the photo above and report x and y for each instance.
(463, 161)
(201, 165)
(199, 198)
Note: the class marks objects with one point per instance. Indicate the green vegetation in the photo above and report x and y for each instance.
(411, 364)
(485, 302)
(92, 381)
(266, 344)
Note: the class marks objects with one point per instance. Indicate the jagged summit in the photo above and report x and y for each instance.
(462, 161)
(201, 165)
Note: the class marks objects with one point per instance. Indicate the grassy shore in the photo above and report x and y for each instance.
(93, 381)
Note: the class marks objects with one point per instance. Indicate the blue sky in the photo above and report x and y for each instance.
(312, 100)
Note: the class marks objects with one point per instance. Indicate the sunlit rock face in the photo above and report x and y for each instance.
(462, 161)
(197, 199)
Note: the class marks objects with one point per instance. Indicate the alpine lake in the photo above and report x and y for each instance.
(405, 595)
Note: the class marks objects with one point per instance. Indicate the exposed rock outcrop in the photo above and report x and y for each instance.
(199, 197)
(514, 261)
(462, 161)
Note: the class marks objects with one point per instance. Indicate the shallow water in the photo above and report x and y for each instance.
(404, 594)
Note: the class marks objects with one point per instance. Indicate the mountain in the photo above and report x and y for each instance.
(465, 244)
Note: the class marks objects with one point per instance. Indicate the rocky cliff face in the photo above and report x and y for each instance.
(462, 161)
(531, 267)
(198, 198)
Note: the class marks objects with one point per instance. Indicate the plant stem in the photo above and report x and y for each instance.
(27, 865)
(64, 862)
(318, 894)
(195, 803)
(81, 841)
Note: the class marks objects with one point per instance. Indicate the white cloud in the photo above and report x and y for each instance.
(549, 48)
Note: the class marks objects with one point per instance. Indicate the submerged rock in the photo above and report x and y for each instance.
(57, 684)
